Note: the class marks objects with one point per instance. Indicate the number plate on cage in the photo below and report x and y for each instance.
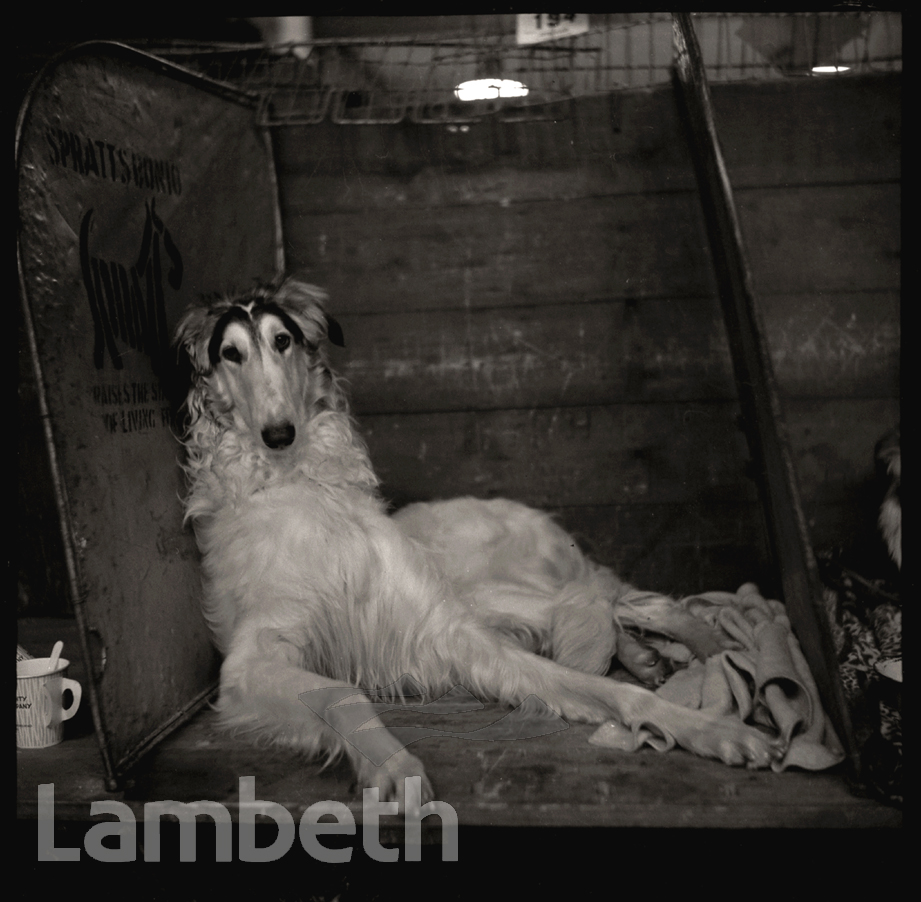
(533, 28)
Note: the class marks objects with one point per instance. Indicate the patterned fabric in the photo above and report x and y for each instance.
(866, 619)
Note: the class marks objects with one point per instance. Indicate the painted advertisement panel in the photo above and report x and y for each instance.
(142, 188)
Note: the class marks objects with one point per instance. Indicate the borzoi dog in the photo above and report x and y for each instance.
(309, 584)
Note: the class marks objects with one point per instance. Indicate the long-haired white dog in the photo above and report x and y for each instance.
(310, 585)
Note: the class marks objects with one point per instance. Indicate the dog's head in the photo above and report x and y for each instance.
(258, 359)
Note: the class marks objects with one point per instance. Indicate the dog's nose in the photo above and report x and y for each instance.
(279, 435)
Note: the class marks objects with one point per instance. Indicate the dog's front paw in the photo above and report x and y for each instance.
(390, 779)
(732, 742)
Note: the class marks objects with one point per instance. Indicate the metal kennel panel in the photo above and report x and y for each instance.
(142, 187)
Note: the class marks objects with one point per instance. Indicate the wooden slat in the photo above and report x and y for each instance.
(482, 256)
(561, 456)
(677, 549)
(501, 185)
(823, 239)
(829, 239)
(631, 142)
(801, 131)
(619, 453)
(601, 352)
(757, 390)
(697, 546)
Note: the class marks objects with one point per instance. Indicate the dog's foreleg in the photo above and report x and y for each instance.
(266, 693)
(512, 675)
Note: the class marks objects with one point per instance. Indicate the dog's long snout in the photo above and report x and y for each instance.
(278, 435)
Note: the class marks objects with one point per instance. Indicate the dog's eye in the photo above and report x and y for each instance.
(282, 341)
(232, 354)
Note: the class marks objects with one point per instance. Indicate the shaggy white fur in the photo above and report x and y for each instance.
(309, 584)
(889, 453)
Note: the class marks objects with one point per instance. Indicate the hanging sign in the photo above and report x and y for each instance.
(534, 28)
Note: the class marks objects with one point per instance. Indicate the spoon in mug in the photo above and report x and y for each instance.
(55, 654)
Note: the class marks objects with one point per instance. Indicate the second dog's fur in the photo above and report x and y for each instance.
(889, 455)
(309, 584)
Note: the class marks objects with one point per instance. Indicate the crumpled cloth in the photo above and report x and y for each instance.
(761, 677)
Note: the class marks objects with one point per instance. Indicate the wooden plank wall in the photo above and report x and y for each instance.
(529, 310)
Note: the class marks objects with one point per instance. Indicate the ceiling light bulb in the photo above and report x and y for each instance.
(490, 89)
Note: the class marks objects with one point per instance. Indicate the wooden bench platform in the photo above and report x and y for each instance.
(555, 780)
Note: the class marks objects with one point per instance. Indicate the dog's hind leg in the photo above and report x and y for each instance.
(267, 694)
(574, 626)
(654, 613)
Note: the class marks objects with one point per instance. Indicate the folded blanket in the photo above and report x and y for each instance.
(760, 676)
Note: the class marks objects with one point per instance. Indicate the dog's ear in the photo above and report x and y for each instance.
(307, 304)
(192, 335)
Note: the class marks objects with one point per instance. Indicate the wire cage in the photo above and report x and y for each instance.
(385, 81)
